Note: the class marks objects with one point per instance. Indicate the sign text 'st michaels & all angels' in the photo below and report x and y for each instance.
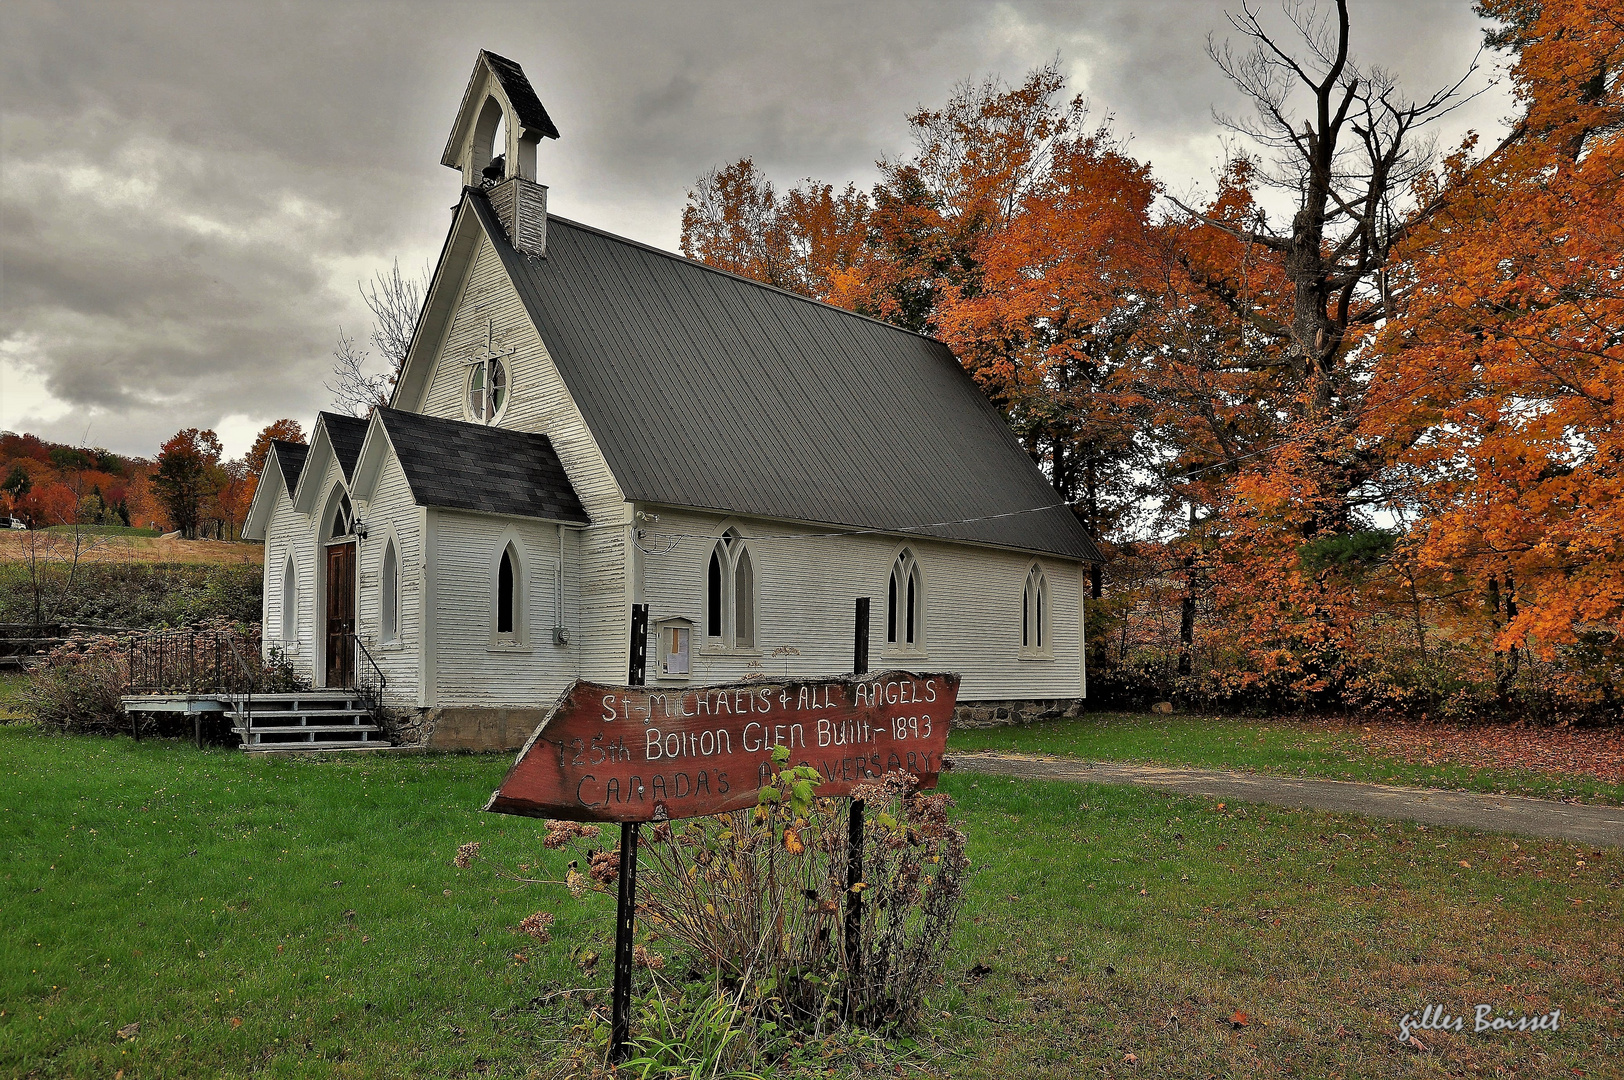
(633, 753)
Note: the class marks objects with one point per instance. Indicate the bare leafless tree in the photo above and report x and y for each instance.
(355, 390)
(395, 301)
(1347, 146)
(53, 554)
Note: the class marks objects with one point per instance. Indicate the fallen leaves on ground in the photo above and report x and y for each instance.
(1591, 752)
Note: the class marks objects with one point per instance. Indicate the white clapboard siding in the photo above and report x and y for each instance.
(392, 515)
(289, 532)
(605, 602)
(471, 667)
(805, 595)
(537, 398)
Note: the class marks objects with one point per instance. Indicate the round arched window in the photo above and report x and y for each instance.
(487, 389)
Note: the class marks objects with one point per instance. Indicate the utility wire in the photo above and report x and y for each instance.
(677, 537)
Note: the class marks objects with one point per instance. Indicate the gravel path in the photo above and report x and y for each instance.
(1587, 824)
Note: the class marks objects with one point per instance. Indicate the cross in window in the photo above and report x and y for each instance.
(488, 382)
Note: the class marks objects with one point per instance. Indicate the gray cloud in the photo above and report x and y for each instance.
(189, 192)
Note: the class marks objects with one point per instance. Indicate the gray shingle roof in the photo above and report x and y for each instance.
(291, 457)
(708, 390)
(463, 466)
(346, 433)
(521, 94)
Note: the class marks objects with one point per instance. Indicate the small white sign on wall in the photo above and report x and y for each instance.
(676, 642)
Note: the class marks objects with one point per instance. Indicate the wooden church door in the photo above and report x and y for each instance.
(340, 614)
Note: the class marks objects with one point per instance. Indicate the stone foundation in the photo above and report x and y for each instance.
(989, 714)
(478, 729)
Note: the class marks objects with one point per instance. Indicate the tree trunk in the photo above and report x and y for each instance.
(1187, 621)
(1096, 574)
(1187, 609)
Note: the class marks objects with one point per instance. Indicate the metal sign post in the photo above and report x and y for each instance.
(626, 896)
(854, 832)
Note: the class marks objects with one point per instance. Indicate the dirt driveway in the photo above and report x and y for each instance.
(1487, 813)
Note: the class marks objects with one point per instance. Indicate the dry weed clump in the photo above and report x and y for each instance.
(741, 918)
(757, 900)
(538, 925)
(79, 687)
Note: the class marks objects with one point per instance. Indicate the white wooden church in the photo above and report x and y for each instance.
(585, 423)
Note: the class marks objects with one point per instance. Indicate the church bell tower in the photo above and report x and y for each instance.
(500, 98)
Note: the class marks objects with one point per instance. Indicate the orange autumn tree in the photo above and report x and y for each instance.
(1509, 362)
(242, 476)
(284, 430)
(1035, 254)
(801, 241)
(188, 474)
(238, 479)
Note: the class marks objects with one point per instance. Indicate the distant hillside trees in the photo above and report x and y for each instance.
(191, 488)
(48, 484)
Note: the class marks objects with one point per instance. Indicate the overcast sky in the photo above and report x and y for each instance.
(190, 192)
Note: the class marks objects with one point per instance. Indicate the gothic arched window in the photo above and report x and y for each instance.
(343, 523)
(744, 600)
(507, 591)
(904, 603)
(1035, 612)
(389, 594)
(290, 601)
(730, 594)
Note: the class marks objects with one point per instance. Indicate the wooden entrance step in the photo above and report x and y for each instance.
(306, 720)
(299, 720)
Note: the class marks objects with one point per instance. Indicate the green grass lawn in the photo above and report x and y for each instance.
(12, 685)
(103, 530)
(296, 918)
(1283, 747)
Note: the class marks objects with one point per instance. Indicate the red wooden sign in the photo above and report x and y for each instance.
(635, 753)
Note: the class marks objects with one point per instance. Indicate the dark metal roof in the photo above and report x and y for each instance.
(291, 457)
(463, 466)
(705, 389)
(520, 94)
(346, 433)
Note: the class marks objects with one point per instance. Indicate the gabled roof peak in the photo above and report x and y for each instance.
(290, 458)
(345, 434)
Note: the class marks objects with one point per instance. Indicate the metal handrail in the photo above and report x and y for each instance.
(247, 704)
(372, 689)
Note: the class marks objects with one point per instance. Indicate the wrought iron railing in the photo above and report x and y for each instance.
(368, 678)
(194, 662)
(245, 700)
(190, 662)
